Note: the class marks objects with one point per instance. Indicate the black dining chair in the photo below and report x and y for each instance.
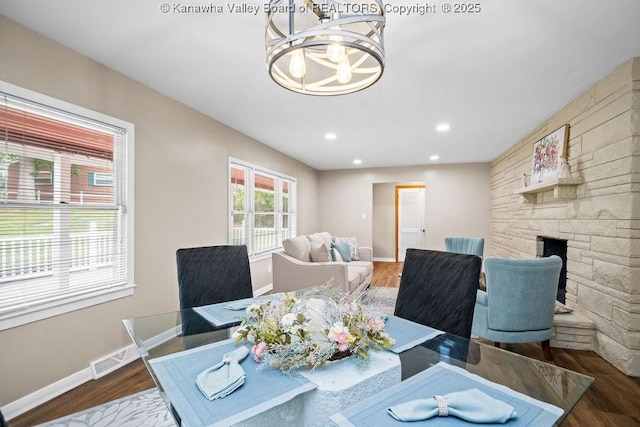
(210, 275)
(438, 289)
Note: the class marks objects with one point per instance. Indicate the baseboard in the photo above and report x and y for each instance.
(37, 398)
(116, 360)
(263, 290)
(97, 368)
(384, 259)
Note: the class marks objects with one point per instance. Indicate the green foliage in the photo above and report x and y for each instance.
(47, 165)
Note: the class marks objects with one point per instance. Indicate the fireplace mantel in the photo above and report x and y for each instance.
(563, 188)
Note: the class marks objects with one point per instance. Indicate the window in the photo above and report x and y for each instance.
(98, 179)
(63, 245)
(262, 207)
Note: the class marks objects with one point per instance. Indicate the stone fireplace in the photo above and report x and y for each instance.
(596, 212)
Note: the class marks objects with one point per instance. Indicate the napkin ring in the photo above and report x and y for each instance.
(443, 409)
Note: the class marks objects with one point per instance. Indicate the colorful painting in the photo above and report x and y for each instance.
(547, 156)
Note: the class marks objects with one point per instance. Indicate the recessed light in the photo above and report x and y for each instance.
(443, 127)
(434, 157)
(330, 136)
(357, 162)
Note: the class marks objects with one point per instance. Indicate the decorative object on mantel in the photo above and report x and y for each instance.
(324, 324)
(565, 168)
(547, 156)
(325, 47)
(525, 180)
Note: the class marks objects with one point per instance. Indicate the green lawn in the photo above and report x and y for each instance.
(21, 222)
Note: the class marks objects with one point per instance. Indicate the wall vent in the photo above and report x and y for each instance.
(110, 363)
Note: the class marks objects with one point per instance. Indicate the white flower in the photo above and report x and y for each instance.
(287, 320)
(253, 309)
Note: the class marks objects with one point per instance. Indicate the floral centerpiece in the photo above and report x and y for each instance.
(309, 331)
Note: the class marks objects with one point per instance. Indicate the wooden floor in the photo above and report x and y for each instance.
(612, 401)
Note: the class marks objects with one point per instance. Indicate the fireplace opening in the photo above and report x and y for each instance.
(548, 246)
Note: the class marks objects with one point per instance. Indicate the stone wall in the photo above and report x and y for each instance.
(602, 222)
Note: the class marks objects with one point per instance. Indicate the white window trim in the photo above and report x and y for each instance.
(77, 302)
(266, 253)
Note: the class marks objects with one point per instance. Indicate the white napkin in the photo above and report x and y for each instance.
(470, 405)
(225, 377)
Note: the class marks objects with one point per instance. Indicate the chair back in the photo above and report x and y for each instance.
(438, 289)
(521, 292)
(465, 245)
(213, 274)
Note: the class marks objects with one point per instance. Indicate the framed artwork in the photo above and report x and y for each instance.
(547, 156)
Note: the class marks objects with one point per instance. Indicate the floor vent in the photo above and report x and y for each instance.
(110, 363)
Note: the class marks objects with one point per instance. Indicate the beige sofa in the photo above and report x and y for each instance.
(305, 263)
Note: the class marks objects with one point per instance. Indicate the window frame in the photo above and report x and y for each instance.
(279, 177)
(68, 304)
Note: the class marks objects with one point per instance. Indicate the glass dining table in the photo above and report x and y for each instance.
(167, 337)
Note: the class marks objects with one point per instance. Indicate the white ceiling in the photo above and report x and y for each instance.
(494, 76)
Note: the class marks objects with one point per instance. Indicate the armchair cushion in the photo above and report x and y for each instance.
(519, 303)
(465, 245)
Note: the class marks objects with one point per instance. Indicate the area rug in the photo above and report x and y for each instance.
(382, 296)
(144, 409)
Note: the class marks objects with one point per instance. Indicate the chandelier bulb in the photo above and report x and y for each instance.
(343, 75)
(336, 51)
(297, 64)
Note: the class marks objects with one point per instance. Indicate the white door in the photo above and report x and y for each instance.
(411, 232)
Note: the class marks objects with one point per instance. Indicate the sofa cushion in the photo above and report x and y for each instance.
(354, 279)
(367, 265)
(360, 270)
(353, 246)
(335, 255)
(298, 247)
(343, 249)
(324, 235)
(319, 252)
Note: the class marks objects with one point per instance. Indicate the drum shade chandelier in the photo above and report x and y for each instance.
(325, 47)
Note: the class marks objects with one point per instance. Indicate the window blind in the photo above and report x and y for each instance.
(60, 238)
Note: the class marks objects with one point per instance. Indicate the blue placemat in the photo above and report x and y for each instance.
(408, 334)
(229, 313)
(441, 379)
(263, 388)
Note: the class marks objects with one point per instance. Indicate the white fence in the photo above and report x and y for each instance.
(32, 256)
(264, 238)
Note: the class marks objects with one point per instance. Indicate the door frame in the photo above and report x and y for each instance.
(397, 198)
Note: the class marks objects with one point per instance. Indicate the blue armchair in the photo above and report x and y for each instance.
(519, 303)
(465, 245)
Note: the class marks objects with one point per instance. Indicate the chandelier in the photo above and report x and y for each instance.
(325, 47)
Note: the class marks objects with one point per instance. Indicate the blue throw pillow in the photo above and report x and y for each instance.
(343, 250)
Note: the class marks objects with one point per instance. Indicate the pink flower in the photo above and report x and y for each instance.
(257, 351)
(340, 335)
(374, 325)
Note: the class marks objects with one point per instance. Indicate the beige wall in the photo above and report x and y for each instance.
(180, 201)
(601, 224)
(456, 203)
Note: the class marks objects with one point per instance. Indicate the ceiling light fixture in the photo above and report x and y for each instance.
(325, 47)
(357, 162)
(434, 157)
(330, 136)
(443, 127)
